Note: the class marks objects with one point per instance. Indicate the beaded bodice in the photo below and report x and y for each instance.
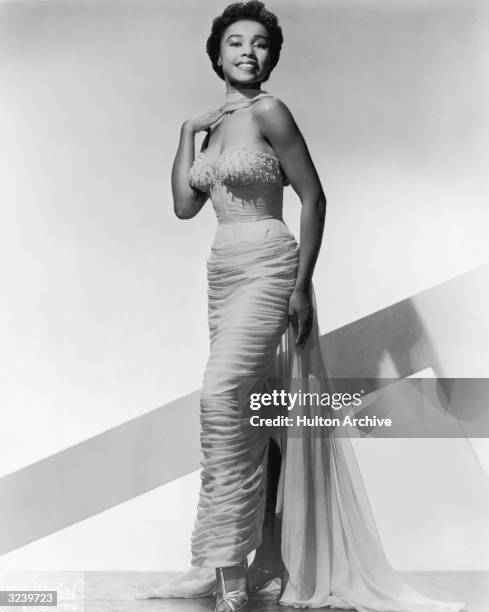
(236, 166)
(245, 184)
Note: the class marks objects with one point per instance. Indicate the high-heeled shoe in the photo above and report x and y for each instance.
(259, 578)
(230, 601)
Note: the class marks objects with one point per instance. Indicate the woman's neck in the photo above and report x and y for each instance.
(238, 98)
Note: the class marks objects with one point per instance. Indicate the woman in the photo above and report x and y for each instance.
(313, 527)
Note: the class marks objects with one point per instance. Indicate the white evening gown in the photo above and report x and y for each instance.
(330, 544)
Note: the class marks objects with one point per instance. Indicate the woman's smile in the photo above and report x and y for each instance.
(248, 66)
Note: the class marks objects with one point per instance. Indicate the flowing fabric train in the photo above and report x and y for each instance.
(330, 544)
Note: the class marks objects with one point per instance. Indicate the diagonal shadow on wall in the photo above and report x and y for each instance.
(163, 445)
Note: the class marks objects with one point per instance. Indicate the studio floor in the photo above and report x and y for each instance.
(115, 591)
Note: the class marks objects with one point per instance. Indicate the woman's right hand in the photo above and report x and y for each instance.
(203, 122)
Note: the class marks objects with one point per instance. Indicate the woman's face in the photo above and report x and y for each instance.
(245, 53)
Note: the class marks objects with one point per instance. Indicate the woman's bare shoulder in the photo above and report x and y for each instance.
(270, 104)
(272, 112)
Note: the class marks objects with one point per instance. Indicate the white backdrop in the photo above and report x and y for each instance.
(104, 309)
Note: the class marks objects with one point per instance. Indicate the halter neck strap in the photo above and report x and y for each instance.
(241, 98)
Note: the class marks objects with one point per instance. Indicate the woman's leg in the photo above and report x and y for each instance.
(268, 555)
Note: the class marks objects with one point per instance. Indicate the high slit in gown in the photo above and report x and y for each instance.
(330, 544)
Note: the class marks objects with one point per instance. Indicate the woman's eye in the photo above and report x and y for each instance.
(238, 44)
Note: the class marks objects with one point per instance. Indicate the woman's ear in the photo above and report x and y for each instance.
(219, 61)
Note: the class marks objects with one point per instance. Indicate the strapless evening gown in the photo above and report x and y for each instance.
(330, 544)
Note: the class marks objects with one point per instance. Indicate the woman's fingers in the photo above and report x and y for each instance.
(301, 315)
(216, 117)
(304, 329)
(216, 114)
(294, 322)
(207, 120)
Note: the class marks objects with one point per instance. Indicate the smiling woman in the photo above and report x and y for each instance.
(237, 27)
(299, 502)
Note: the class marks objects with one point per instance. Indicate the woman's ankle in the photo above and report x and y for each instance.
(266, 565)
(234, 577)
(269, 555)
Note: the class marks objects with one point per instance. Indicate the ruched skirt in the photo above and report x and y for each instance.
(251, 273)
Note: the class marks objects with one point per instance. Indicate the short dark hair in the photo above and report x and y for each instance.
(254, 11)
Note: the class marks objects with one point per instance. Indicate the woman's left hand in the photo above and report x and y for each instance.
(301, 315)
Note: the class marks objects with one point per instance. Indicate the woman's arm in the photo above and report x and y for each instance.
(187, 201)
(279, 128)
